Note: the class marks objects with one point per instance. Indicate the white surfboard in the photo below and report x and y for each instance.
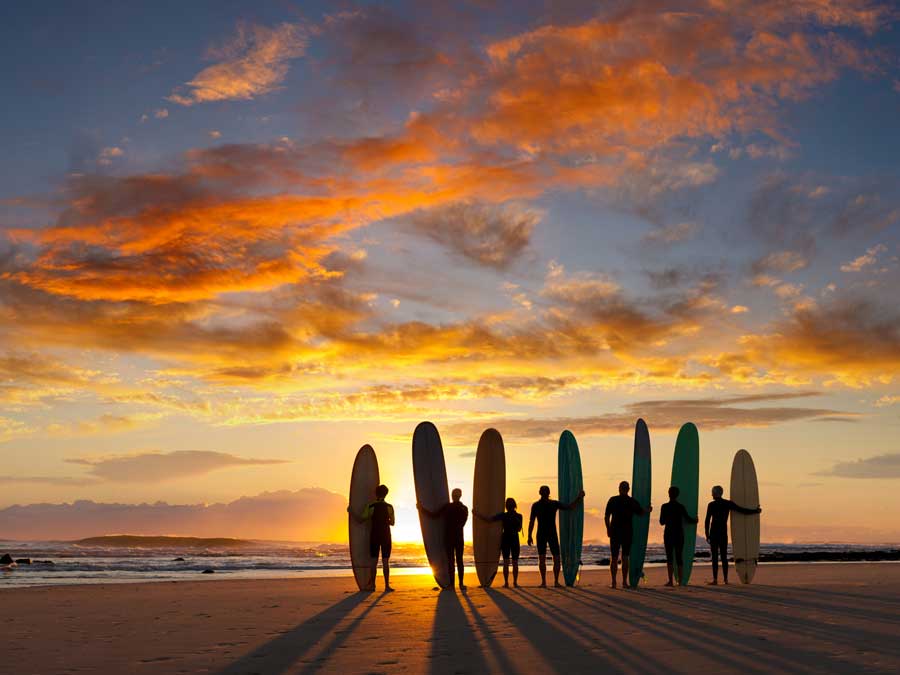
(744, 528)
(363, 482)
(488, 498)
(432, 492)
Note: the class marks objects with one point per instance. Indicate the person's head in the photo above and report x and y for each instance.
(544, 492)
(510, 504)
(673, 493)
(624, 487)
(381, 491)
(717, 492)
(456, 494)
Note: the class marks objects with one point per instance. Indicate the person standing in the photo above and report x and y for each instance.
(544, 512)
(716, 526)
(618, 518)
(509, 539)
(672, 516)
(455, 515)
(381, 514)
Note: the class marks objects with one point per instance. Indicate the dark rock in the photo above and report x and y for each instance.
(208, 572)
(702, 554)
(23, 561)
(42, 562)
(178, 560)
(6, 559)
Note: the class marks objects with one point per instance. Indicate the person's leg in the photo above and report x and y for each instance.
(506, 571)
(542, 568)
(459, 560)
(613, 559)
(624, 569)
(714, 550)
(514, 554)
(450, 564)
(669, 559)
(374, 547)
(724, 553)
(553, 543)
(386, 566)
(679, 559)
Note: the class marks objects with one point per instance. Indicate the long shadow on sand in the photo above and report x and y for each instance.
(282, 653)
(454, 648)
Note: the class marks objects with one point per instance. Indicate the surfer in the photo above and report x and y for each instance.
(618, 518)
(382, 516)
(544, 512)
(509, 539)
(716, 526)
(672, 516)
(455, 515)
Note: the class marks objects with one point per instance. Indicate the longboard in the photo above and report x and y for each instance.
(640, 490)
(432, 492)
(571, 523)
(744, 528)
(686, 476)
(363, 482)
(488, 497)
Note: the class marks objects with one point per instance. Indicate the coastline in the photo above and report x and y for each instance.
(832, 617)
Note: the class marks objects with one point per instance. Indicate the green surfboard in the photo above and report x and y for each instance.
(640, 490)
(686, 477)
(571, 523)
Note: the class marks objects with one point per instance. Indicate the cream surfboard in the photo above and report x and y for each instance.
(488, 497)
(432, 492)
(744, 528)
(363, 482)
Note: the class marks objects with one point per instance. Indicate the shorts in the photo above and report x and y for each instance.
(380, 544)
(510, 548)
(551, 540)
(674, 547)
(620, 541)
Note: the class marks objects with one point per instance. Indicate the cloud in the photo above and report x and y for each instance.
(108, 154)
(879, 466)
(870, 257)
(254, 62)
(781, 261)
(707, 413)
(161, 113)
(215, 135)
(672, 234)
(887, 400)
(57, 481)
(490, 235)
(149, 467)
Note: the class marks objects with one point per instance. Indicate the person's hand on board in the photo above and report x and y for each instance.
(530, 541)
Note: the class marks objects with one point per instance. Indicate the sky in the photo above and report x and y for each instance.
(238, 242)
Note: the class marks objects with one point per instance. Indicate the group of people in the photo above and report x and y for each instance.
(618, 518)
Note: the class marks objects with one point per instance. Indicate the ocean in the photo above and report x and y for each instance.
(79, 563)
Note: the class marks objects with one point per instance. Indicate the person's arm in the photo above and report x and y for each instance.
(572, 504)
(662, 515)
(688, 516)
(390, 515)
(741, 509)
(519, 529)
(708, 519)
(358, 518)
(466, 517)
(481, 516)
(607, 514)
(640, 510)
(531, 525)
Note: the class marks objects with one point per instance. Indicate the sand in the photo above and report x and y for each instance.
(798, 618)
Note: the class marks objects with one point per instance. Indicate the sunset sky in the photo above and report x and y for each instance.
(238, 241)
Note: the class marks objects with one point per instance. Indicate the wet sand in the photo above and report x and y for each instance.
(796, 619)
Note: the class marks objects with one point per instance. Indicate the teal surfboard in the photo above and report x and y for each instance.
(571, 523)
(686, 476)
(640, 490)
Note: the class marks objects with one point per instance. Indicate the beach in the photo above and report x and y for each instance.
(797, 618)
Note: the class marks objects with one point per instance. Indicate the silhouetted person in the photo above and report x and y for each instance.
(509, 540)
(618, 519)
(455, 515)
(716, 526)
(673, 515)
(381, 514)
(544, 512)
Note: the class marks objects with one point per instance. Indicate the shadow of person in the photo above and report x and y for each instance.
(454, 647)
(282, 653)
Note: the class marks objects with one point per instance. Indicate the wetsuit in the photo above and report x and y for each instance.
(673, 516)
(717, 530)
(455, 515)
(509, 540)
(621, 508)
(382, 516)
(544, 511)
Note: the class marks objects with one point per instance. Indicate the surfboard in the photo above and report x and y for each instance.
(488, 498)
(432, 492)
(640, 490)
(686, 476)
(744, 528)
(571, 523)
(363, 482)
